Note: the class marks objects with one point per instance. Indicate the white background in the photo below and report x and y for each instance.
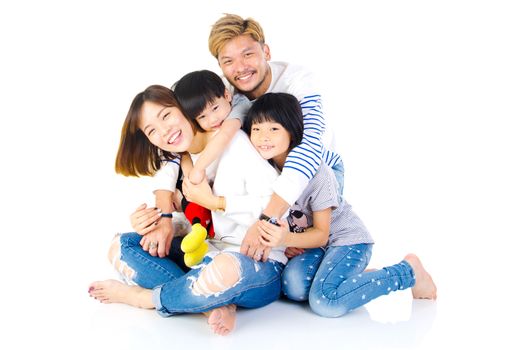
(429, 101)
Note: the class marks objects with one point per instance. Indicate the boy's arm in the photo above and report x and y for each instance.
(214, 149)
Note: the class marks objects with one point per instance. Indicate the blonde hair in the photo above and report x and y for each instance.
(231, 26)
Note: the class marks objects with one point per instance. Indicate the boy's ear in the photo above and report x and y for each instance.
(228, 95)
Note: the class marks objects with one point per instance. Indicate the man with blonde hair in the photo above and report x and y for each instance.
(239, 46)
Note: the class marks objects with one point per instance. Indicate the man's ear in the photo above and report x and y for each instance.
(267, 52)
(228, 95)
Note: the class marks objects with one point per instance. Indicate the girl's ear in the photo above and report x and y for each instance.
(228, 95)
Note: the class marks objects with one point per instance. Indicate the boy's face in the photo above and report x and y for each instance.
(165, 127)
(215, 113)
(244, 63)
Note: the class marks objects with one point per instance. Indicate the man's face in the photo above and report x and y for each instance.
(244, 63)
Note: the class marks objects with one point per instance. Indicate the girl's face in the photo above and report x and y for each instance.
(271, 140)
(165, 127)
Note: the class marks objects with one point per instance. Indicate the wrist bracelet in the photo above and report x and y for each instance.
(271, 220)
(220, 204)
(166, 215)
(264, 217)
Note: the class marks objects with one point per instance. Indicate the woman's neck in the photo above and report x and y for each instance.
(199, 142)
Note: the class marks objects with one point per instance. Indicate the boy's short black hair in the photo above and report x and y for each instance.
(195, 90)
(277, 107)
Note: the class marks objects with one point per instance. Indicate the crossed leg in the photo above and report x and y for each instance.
(218, 276)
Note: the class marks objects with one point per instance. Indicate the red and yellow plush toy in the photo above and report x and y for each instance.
(194, 245)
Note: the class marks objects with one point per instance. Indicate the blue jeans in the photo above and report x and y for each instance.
(339, 172)
(334, 281)
(150, 271)
(259, 283)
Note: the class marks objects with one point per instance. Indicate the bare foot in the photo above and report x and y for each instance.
(222, 320)
(112, 291)
(424, 288)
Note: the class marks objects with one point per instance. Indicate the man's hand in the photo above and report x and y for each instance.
(251, 245)
(158, 241)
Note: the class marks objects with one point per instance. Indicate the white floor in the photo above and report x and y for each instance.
(478, 305)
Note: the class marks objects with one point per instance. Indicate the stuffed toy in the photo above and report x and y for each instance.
(193, 244)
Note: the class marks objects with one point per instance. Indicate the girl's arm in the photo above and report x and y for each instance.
(314, 237)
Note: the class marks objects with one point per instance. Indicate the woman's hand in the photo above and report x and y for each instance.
(200, 194)
(144, 219)
(272, 235)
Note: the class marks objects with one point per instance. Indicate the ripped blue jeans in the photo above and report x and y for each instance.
(203, 288)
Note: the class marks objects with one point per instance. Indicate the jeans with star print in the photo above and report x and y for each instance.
(334, 282)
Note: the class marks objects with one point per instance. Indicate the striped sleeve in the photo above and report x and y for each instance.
(303, 160)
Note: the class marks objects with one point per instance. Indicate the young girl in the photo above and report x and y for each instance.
(331, 278)
(226, 278)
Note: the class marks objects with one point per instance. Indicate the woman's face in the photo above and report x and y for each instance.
(166, 127)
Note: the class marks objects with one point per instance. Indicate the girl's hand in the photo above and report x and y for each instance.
(272, 235)
(200, 194)
(144, 219)
(292, 252)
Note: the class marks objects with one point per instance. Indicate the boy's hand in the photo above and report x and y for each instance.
(196, 175)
